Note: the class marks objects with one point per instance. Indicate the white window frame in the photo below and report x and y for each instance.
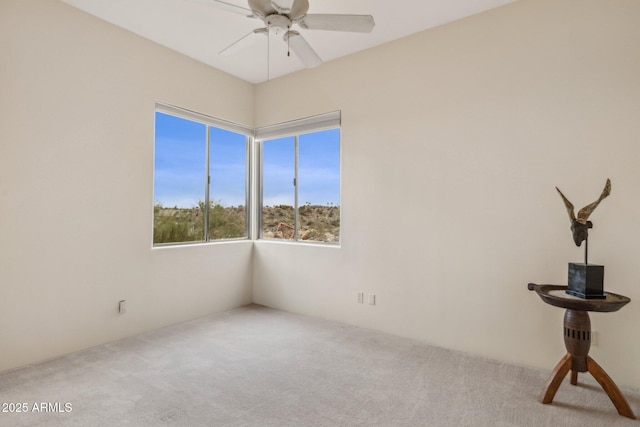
(294, 128)
(210, 121)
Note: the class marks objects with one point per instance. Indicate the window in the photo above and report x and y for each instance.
(200, 178)
(300, 175)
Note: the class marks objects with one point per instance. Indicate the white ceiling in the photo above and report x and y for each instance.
(200, 29)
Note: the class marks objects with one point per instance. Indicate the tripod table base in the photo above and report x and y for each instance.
(564, 366)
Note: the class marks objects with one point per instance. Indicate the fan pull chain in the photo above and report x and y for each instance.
(268, 48)
(288, 41)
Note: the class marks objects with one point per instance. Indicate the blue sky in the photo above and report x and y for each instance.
(180, 166)
(179, 178)
(318, 169)
(228, 167)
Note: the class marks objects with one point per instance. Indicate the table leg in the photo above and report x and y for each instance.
(558, 374)
(574, 377)
(610, 388)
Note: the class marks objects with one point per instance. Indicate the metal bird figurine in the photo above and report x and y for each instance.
(580, 226)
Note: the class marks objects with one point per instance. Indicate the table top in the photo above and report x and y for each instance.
(556, 296)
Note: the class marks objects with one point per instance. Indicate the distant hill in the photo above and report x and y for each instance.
(175, 225)
(317, 223)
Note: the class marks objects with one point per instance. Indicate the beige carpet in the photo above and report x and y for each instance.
(256, 366)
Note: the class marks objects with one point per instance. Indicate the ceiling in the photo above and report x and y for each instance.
(201, 29)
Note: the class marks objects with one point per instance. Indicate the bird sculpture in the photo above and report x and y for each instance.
(580, 225)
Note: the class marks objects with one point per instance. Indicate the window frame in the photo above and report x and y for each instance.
(209, 122)
(295, 129)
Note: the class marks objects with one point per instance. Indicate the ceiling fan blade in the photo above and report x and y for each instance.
(229, 7)
(282, 6)
(302, 49)
(350, 23)
(246, 41)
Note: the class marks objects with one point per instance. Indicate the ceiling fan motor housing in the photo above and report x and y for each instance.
(264, 8)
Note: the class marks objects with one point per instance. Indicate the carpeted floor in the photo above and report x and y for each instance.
(255, 366)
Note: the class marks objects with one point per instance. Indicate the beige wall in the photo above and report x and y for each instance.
(77, 97)
(453, 141)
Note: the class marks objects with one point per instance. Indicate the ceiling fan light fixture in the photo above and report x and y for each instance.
(278, 24)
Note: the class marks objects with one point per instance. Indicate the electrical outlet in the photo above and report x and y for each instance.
(360, 297)
(594, 338)
(372, 299)
(122, 306)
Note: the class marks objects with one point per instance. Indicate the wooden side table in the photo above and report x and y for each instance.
(577, 340)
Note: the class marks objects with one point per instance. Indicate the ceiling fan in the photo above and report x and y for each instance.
(280, 15)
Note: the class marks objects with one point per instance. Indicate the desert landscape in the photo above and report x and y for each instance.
(317, 223)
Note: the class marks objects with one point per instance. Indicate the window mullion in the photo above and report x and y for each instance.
(295, 189)
(259, 209)
(248, 203)
(207, 185)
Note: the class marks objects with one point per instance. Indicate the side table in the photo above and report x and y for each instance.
(577, 340)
